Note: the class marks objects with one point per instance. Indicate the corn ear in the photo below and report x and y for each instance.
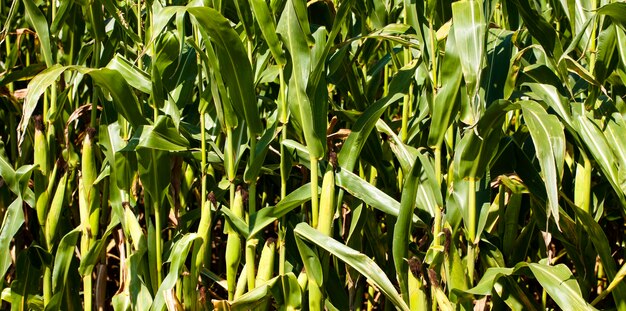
(250, 262)
(418, 300)
(327, 203)
(40, 158)
(242, 282)
(204, 230)
(54, 214)
(266, 267)
(233, 247)
(89, 175)
(266, 262)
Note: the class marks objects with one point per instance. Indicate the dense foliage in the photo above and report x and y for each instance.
(329, 154)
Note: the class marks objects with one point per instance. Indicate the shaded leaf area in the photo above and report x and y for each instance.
(309, 155)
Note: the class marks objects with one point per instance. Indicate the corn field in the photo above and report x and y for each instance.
(312, 155)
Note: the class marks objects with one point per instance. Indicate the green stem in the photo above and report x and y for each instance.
(87, 282)
(7, 43)
(157, 229)
(592, 41)
(252, 186)
(139, 34)
(252, 242)
(95, 64)
(284, 169)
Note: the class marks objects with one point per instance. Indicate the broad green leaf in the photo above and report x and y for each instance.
(162, 136)
(233, 59)
(365, 123)
(479, 145)
(287, 291)
(262, 146)
(446, 105)
(36, 87)
(300, 104)
(268, 29)
(236, 222)
(13, 220)
(154, 172)
(89, 260)
(429, 196)
(124, 99)
(312, 263)
(578, 12)
(28, 269)
(540, 29)
(596, 142)
(551, 96)
(177, 259)
(616, 11)
(38, 21)
(469, 33)
(561, 285)
(549, 140)
(134, 76)
(605, 51)
(362, 263)
(269, 214)
(62, 260)
(602, 246)
(402, 228)
(557, 280)
(245, 17)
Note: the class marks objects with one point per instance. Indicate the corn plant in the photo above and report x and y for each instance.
(312, 155)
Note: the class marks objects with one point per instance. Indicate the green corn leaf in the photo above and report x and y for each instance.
(362, 263)
(549, 139)
(615, 10)
(578, 12)
(446, 105)
(134, 76)
(267, 215)
(300, 104)
(154, 171)
(90, 259)
(593, 138)
(13, 220)
(245, 17)
(371, 195)
(287, 291)
(162, 136)
(268, 29)
(540, 29)
(39, 22)
(558, 282)
(601, 244)
(402, 228)
(479, 146)
(178, 255)
(62, 261)
(29, 266)
(36, 87)
(262, 146)
(469, 33)
(365, 123)
(233, 59)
